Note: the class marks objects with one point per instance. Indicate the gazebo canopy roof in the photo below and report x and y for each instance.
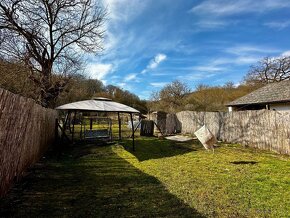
(98, 104)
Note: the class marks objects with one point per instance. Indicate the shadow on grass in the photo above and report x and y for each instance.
(147, 148)
(243, 162)
(97, 183)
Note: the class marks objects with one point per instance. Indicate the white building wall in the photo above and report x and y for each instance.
(280, 107)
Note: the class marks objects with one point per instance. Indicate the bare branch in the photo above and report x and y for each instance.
(269, 70)
(45, 34)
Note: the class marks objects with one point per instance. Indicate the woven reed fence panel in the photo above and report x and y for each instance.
(161, 121)
(172, 124)
(26, 131)
(192, 121)
(263, 129)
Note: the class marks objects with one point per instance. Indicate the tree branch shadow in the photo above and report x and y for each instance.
(97, 184)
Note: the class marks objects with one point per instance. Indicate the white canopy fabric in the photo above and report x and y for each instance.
(98, 104)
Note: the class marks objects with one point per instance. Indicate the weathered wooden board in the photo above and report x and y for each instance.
(26, 131)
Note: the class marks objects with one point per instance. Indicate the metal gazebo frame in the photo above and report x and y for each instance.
(98, 105)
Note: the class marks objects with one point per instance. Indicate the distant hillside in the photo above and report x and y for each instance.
(215, 98)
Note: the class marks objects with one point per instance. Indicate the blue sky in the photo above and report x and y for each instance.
(150, 43)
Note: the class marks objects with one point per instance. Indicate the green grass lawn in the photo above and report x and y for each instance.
(161, 178)
(125, 130)
(232, 182)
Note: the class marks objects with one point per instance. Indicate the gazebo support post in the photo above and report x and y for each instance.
(158, 128)
(136, 128)
(133, 137)
(91, 123)
(69, 122)
(56, 136)
(120, 130)
(64, 125)
(73, 127)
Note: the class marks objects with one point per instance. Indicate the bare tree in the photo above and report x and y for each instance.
(50, 36)
(175, 90)
(171, 97)
(269, 70)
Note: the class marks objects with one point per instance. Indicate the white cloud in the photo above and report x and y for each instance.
(120, 13)
(208, 24)
(198, 73)
(240, 60)
(125, 86)
(130, 77)
(237, 84)
(158, 84)
(145, 94)
(110, 41)
(154, 62)
(233, 7)
(246, 60)
(285, 53)
(105, 82)
(122, 85)
(152, 65)
(245, 55)
(196, 76)
(166, 73)
(123, 10)
(143, 71)
(99, 71)
(278, 25)
(208, 68)
(250, 49)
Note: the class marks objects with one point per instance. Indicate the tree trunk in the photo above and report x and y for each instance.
(45, 95)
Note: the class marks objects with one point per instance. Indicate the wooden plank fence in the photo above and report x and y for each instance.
(263, 129)
(26, 131)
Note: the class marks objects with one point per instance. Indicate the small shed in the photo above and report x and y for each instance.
(273, 96)
(100, 104)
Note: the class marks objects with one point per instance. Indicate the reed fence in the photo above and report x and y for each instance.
(263, 129)
(26, 131)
